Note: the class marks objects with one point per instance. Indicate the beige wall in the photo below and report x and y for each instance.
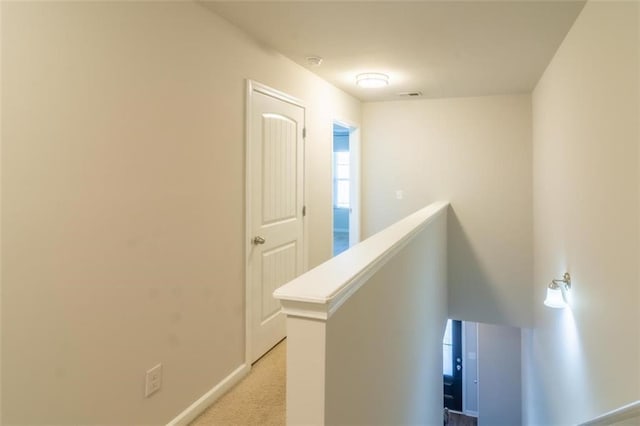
(583, 361)
(384, 345)
(122, 209)
(475, 153)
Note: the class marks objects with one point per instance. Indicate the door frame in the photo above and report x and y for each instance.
(355, 227)
(254, 86)
(465, 365)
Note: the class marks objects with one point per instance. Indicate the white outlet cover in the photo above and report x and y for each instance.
(399, 194)
(153, 380)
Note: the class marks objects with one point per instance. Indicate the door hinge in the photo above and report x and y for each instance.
(304, 210)
(304, 132)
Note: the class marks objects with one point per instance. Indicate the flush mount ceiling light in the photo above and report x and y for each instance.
(372, 80)
(556, 297)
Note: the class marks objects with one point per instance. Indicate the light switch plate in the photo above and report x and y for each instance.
(153, 380)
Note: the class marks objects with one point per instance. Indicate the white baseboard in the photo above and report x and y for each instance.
(195, 409)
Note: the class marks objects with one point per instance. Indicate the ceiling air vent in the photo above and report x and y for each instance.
(414, 94)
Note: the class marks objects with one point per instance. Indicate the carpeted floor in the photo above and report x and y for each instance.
(259, 399)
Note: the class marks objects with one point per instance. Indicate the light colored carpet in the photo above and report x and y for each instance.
(259, 399)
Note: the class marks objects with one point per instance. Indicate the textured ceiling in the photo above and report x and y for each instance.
(441, 48)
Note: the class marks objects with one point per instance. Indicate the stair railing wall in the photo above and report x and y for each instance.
(364, 330)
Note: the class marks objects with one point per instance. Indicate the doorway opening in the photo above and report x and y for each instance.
(459, 369)
(452, 365)
(481, 373)
(345, 187)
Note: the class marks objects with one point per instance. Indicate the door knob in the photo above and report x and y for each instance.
(259, 240)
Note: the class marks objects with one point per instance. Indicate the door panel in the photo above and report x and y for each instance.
(279, 168)
(278, 267)
(274, 174)
(452, 377)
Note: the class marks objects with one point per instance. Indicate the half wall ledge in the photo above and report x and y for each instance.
(318, 293)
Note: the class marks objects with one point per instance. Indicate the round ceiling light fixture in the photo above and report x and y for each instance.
(372, 80)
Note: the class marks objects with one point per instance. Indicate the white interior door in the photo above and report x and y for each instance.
(275, 201)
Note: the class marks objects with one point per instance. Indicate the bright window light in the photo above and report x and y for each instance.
(447, 351)
(341, 185)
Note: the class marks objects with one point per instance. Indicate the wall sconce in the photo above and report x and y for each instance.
(556, 297)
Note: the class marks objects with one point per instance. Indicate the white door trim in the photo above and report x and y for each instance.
(253, 86)
(465, 364)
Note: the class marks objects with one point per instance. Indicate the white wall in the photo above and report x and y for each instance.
(475, 152)
(384, 345)
(583, 361)
(499, 376)
(122, 209)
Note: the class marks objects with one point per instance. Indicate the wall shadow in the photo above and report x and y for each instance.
(471, 294)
